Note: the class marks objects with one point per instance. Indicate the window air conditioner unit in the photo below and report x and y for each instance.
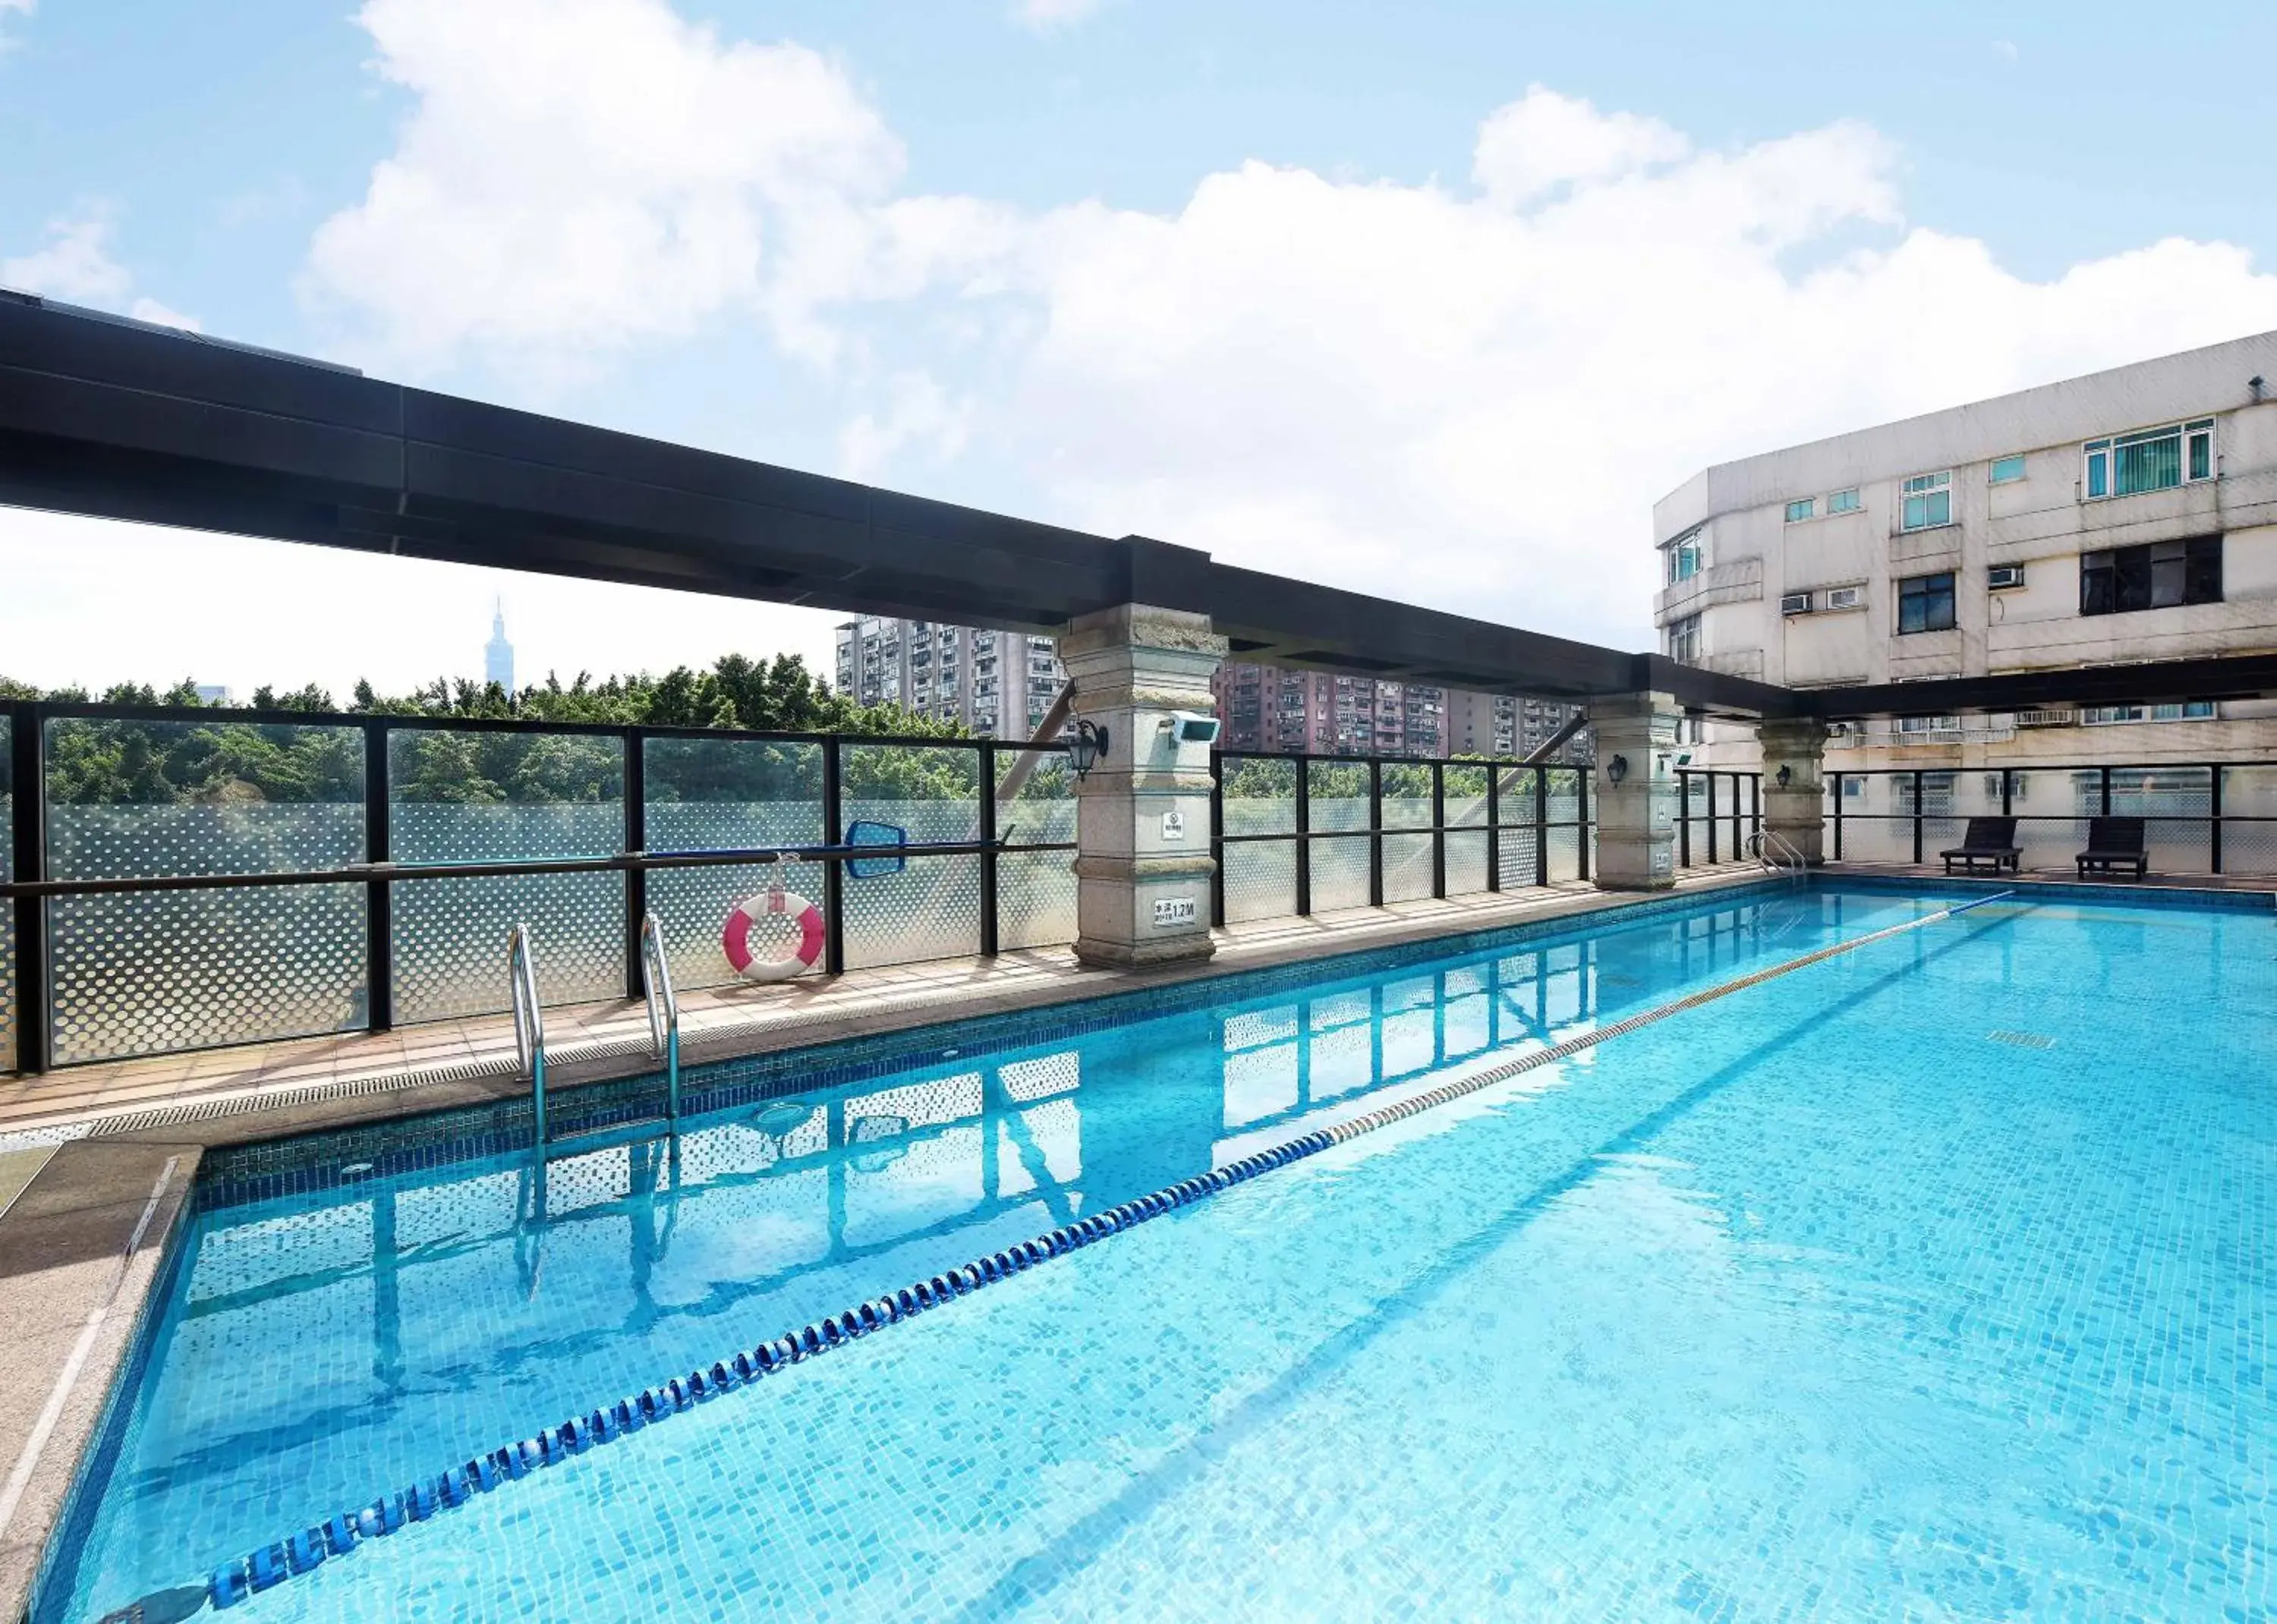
(2004, 575)
(1795, 604)
(1845, 598)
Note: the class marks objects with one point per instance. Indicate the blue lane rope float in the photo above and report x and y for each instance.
(309, 1548)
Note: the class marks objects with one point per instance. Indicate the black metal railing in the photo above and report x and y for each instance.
(1716, 813)
(179, 878)
(1300, 834)
(2200, 817)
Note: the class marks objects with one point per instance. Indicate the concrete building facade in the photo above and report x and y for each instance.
(2125, 516)
(1278, 712)
(998, 684)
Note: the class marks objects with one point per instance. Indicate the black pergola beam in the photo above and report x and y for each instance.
(121, 420)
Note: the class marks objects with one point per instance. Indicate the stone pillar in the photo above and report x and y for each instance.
(1636, 816)
(1795, 812)
(1143, 861)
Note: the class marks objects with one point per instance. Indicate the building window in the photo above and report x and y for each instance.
(1684, 640)
(2126, 464)
(2104, 716)
(2159, 575)
(1929, 501)
(2007, 470)
(1796, 512)
(1683, 555)
(1925, 604)
(1842, 502)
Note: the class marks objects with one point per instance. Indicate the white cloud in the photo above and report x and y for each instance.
(1474, 403)
(74, 264)
(1469, 397)
(151, 310)
(920, 413)
(1043, 16)
(1544, 141)
(577, 176)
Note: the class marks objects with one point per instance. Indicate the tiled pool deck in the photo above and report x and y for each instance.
(101, 1159)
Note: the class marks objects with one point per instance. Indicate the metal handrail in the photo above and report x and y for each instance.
(1776, 853)
(529, 1022)
(663, 1008)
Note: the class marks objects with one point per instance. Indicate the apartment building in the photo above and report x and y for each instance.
(2128, 515)
(998, 684)
(1289, 712)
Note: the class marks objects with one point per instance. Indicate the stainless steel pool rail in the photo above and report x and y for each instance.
(1775, 853)
(338, 1536)
(663, 1010)
(529, 1022)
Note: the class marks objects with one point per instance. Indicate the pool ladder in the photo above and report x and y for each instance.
(1775, 853)
(529, 1018)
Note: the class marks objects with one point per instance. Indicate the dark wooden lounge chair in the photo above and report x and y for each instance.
(1989, 840)
(2113, 844)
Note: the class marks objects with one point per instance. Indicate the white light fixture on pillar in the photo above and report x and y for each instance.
(1088, 748)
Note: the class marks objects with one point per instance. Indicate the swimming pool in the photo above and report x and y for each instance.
(1932, 1278)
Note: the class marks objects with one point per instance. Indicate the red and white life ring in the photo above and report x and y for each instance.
(736, 937)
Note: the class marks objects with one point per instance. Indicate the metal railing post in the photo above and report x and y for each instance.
(1582, 824)
(1217, 837)
(636, 783)
(1712, 817)
(2214, 818)
(1304, 837)
(833, 871)
(1494, 826)
(378, 895)
(2007, 792)
(29, 846)
(1683, 819)
(990, 872)
(1837, 817)
(1375, 832)
(1918, 809)
(1540, 825)
(1438, 831)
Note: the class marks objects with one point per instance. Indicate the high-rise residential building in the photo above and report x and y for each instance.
(497, 654)
(998, 684)
(1321, 713)
(2128, 515)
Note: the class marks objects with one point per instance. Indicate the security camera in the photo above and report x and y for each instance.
(1189, 727)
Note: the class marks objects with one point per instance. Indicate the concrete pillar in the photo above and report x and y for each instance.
(1636, 816)
(1143, 862)
(1795, 812)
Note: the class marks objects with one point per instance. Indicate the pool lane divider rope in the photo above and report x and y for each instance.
(336, 1536)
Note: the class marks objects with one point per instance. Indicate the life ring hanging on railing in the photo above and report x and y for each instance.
(735, 936)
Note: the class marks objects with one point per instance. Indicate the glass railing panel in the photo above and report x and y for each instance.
(469, 796)
(727, 794)
(1260, 880)
(153, 973)
(1259, 794)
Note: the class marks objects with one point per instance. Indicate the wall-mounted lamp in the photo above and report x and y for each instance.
(2257, 386)
(1786, 775)
(1617, 769)
(1088, 748)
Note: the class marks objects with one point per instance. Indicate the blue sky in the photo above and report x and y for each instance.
(1246, 277)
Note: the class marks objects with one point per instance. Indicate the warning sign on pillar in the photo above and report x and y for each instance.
(1174, 911)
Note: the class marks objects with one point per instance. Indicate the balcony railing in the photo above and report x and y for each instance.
(1306, 834)
(181, 879)
(2200, 818)
(184, 879)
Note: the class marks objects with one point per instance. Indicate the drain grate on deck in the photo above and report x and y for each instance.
(2023, 1040)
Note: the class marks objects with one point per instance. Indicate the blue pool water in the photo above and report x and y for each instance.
(1930, 1281)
